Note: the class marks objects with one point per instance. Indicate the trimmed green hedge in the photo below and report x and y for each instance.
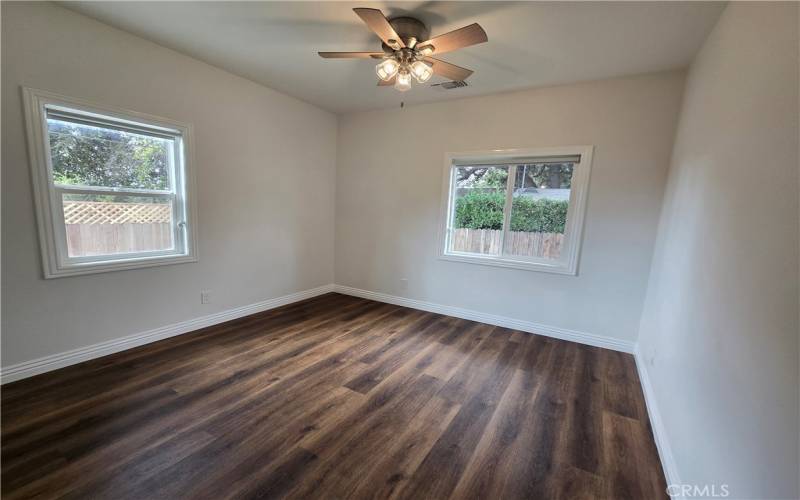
(485, 211)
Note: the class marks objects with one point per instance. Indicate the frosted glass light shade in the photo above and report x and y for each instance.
(422, 71)
(386, 69)
(403, 81)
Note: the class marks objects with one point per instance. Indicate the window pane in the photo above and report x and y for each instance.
(477, 218)
(539, 210)
(109, 224)
(91, 155)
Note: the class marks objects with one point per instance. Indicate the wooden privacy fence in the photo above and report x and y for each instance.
(102, 228)
(545, 245)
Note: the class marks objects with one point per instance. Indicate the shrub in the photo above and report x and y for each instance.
(481, 210)
(539, 216)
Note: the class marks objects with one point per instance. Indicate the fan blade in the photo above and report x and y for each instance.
(382, 83)
(449, 71)
(462, 37)
(351, 55)
(378, 23)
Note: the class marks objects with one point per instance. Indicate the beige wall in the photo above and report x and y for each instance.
(718, 328)
(389, 185)
(264, 164)
(719, 332)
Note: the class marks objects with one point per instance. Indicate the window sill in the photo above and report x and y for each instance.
(511, 264)
(116, 265)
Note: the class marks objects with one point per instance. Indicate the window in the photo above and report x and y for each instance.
(111, 187)
(517, 208)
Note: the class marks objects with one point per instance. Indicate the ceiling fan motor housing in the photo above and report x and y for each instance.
(411, 31)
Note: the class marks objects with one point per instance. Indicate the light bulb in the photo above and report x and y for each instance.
(422, 71)
(403, 81)
(386, 69)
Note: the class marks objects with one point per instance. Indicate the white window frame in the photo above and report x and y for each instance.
(573, 231)
(48, 200)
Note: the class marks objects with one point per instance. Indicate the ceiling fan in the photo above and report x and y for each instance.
(407, 49)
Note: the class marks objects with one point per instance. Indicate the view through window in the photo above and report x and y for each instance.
(111, 186)
(91, 165)
(515, 211)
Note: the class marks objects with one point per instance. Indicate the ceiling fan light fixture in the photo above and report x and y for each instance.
(386, 69)
(422, 71)
(407, 48)
(403, 81)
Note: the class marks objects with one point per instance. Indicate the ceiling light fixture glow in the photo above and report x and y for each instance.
(403, 81)
(386, 69)
(422, 71)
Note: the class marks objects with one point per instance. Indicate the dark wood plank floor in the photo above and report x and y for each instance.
(335, 397)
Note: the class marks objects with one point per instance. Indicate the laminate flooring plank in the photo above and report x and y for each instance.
(335, 397)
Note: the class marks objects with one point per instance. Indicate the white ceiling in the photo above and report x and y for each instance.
(530, 43)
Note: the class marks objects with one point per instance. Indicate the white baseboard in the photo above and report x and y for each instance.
(659, 432)
(492, 319)
(60, 360)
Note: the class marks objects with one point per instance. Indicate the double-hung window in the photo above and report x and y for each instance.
(112, 187)
(516, 208)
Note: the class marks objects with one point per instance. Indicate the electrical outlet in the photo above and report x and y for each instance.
(403, 284)
(205, 297)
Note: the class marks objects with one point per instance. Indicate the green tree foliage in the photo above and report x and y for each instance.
(494, 177)
(549, 175)
(481, 177)
(93, 156)
(484, 210)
